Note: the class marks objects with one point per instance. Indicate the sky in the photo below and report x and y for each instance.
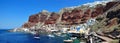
(14, 13)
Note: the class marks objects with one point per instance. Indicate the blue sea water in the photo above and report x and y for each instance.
(18, 37)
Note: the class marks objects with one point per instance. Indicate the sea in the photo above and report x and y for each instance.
(20, 37)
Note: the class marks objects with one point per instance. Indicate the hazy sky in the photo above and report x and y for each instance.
(14, 13)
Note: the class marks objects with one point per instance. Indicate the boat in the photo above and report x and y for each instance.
(73, 38)
(68, 40)
(50, 35)
(58, 34)
(36, 35)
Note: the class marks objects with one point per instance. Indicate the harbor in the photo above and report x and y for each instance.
(82, 24)
(72, 34)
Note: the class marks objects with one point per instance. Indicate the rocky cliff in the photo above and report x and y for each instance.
(77, 15)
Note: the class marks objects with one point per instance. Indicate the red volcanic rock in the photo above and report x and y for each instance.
(34, 18)
(54, 16)
(109, 5)
(73, 17)
(99, 9)
(86, 16)
(37, 18)
(49, 22)
(76, 13)
(28, 25)
(42, 17)
(94, 14)
(83, 20)
(52, 19)
(87, 13)
(65, 15)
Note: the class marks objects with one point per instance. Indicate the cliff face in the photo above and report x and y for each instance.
(74, 16)
(113, 18)
(34, 19)
(109, 5)
(52, 19)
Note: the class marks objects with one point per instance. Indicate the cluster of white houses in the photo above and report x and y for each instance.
(81, 28)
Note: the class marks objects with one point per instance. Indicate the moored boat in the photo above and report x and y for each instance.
(68, 41)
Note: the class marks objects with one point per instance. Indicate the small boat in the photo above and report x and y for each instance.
(73, 38)
(68, 40)
(50, 35)
(36, 35)
(58, 34)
